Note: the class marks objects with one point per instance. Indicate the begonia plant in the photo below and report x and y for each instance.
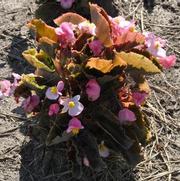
(89, 85)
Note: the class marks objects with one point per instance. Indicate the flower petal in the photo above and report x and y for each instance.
(126, 115)
(75, 111)
(76, 98)
(53, 109)
(168, 62)
(60, 86)
(50, 95)
(74, 123)
(139, 97)
(65, 108)
(93, 90)
(103, 150)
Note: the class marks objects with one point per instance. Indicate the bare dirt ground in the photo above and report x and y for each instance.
(162, 155)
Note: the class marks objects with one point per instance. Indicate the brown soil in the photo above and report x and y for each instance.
(20, 158)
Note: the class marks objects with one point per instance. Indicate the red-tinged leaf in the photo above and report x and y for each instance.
(125, 96)
(69, 17)
(103, 27)
(129, 40)
(81, 41)
(105, 66)
(42, 29)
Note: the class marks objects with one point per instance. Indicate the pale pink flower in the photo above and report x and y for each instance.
(74, 126)
(103, 150)
(66, 4)
(125, 25)
(155, 45)
(167, 62)
(65, 34)
(86, 161)
(87, 27)
(93, 90)
(72, 105)
(5, 88)
(125, 115)
(120, 26)
(53, 109)
(96, 47)
(54, 92)
(139, 97)
(30, 103)
(17, 78)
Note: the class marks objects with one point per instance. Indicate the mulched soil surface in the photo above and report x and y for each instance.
(18, 158)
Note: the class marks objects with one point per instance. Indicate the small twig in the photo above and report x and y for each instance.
(145, 161)
(9, 130)
(160, 89)
(169, 46)
(167, 163)
(165, 80)
(164, 26)
(14, 116)
(132, 12)
(142, 18)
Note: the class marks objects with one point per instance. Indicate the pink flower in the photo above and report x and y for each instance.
(96, 47)
(139, 97)
(93, 90)
(125, 25)
(17, 78)
(87, 27)
(168, 61)
(74, 126)
(155, 45)
(5, 88)
(65, 34)
(72, 105)
(30, 103)
(54, 92)
(86, 161)
(125, 115)
(53, 109)
(66, 4)
(120, 26)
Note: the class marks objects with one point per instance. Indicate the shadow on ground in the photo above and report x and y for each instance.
(15, 58)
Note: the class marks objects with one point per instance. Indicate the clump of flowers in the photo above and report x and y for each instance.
(81, 86)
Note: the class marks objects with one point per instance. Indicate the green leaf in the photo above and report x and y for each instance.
(39, 59)
(31, 81)
(139, 62)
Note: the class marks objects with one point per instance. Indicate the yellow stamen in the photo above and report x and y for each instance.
(132, 29)
(75, 131)
(54, 90)
(71, 104)
(157, 45)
